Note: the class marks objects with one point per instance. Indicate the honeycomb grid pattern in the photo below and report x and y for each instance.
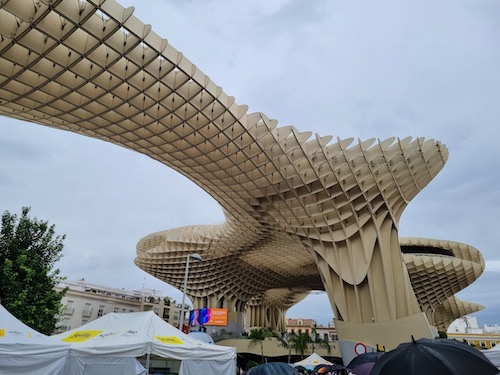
(302, 212)
(452, 309)
(436, 278)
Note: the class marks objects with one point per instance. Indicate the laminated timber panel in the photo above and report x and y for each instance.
(302, 211)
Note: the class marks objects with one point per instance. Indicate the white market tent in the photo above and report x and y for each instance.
(202, 336)
(312, 361)
(132, 335)
(106, 346)
(26, 351)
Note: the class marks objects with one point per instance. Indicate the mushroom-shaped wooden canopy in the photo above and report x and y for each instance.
(302, 210)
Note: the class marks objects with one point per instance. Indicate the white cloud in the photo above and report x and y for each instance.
(493, 266)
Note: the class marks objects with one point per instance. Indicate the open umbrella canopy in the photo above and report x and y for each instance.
(333, 369)
(363, 369)
(337, 367)
(363, 363)
(433, 357)
(368, 357)
(301, 369)
(273, 368)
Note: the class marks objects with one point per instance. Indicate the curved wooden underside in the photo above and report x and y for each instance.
(302, 212)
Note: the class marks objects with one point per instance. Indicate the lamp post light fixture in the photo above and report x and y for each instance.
(197, 257)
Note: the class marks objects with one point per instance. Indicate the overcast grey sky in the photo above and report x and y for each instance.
(358, 69)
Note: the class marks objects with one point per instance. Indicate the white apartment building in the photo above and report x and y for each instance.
(469, 324)
(85, 302)
(467, 329)
(465, 324)
(302, 325)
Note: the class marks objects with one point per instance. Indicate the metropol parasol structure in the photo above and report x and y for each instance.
(302, 212)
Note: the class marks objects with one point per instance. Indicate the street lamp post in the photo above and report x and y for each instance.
(195, 256)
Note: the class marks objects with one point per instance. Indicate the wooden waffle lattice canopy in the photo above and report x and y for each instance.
(302, 212)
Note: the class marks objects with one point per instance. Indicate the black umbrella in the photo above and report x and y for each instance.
(273, 368)
(363, 369)
(364, 358)
(364, 362)
(336, 367)
(433, 357)
(301, 369)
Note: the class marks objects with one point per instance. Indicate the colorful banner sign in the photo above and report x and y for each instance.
(81, 336)
(169, 340)
(208, 317)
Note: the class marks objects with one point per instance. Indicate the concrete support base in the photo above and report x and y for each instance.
(357, 338)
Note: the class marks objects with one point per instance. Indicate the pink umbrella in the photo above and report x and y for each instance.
(363, 368)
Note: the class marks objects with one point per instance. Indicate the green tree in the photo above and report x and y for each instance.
(442, 335)
(29, 248)
(301, 343)
(288, 341)
(318, 342)
(257, 337)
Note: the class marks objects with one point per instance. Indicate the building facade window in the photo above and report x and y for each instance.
(83, 298)
(100, 312)
(70, 309)
(87, 310)
(65, 326)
